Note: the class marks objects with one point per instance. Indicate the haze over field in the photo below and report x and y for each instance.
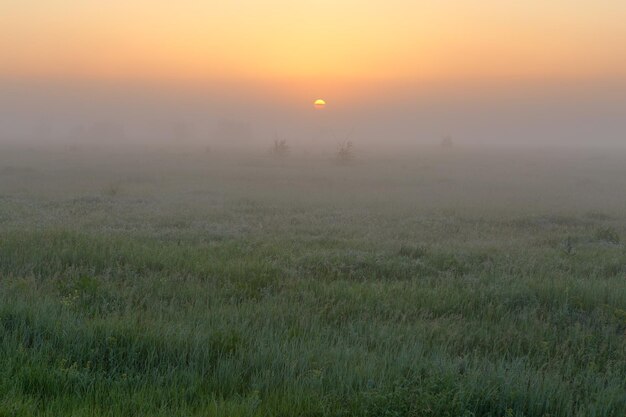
(394, 72)
(327, 208)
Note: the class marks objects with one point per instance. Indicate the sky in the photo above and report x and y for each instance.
(387, 39)
(353, 53)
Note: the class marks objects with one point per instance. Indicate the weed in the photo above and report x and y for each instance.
(607, 235)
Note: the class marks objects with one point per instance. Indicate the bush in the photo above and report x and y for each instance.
(280, 149)
(446, 142)
(608, 235)
(345, 152)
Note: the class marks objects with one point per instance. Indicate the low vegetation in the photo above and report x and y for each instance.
(223, 289)
(280, 148)
(345, 152)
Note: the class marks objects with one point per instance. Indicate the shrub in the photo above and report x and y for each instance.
(413, 252)
(345, 152)
(446, 142)
(112, 190)
(280, 149)
(608, 235)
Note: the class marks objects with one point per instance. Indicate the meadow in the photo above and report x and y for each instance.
(439, 282)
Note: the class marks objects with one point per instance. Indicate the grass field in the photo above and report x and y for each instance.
(455, 282)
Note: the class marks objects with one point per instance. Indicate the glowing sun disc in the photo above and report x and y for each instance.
(319, 103)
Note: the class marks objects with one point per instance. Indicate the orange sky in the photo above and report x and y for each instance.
(313, 40)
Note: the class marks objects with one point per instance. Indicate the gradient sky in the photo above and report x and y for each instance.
(321, 39)
(543, 71)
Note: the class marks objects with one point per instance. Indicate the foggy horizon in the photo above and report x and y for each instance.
(313, 208)
(388, 113)
(396, 73)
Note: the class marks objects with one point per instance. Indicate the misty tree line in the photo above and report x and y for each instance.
(345, 150)
(224, 130)
(344, 153)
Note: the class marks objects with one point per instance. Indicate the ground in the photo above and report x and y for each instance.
(443, 282)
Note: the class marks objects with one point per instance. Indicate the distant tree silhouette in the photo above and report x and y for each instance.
(280, 148)
(446, 142)
(345, 152)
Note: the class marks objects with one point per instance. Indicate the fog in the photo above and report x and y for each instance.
(375, 115)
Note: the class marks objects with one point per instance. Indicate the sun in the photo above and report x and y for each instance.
(319, 104)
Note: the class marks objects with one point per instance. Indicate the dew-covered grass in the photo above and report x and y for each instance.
(443, 283)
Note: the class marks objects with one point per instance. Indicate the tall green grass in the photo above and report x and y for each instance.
(118, 325)
(175, 304)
